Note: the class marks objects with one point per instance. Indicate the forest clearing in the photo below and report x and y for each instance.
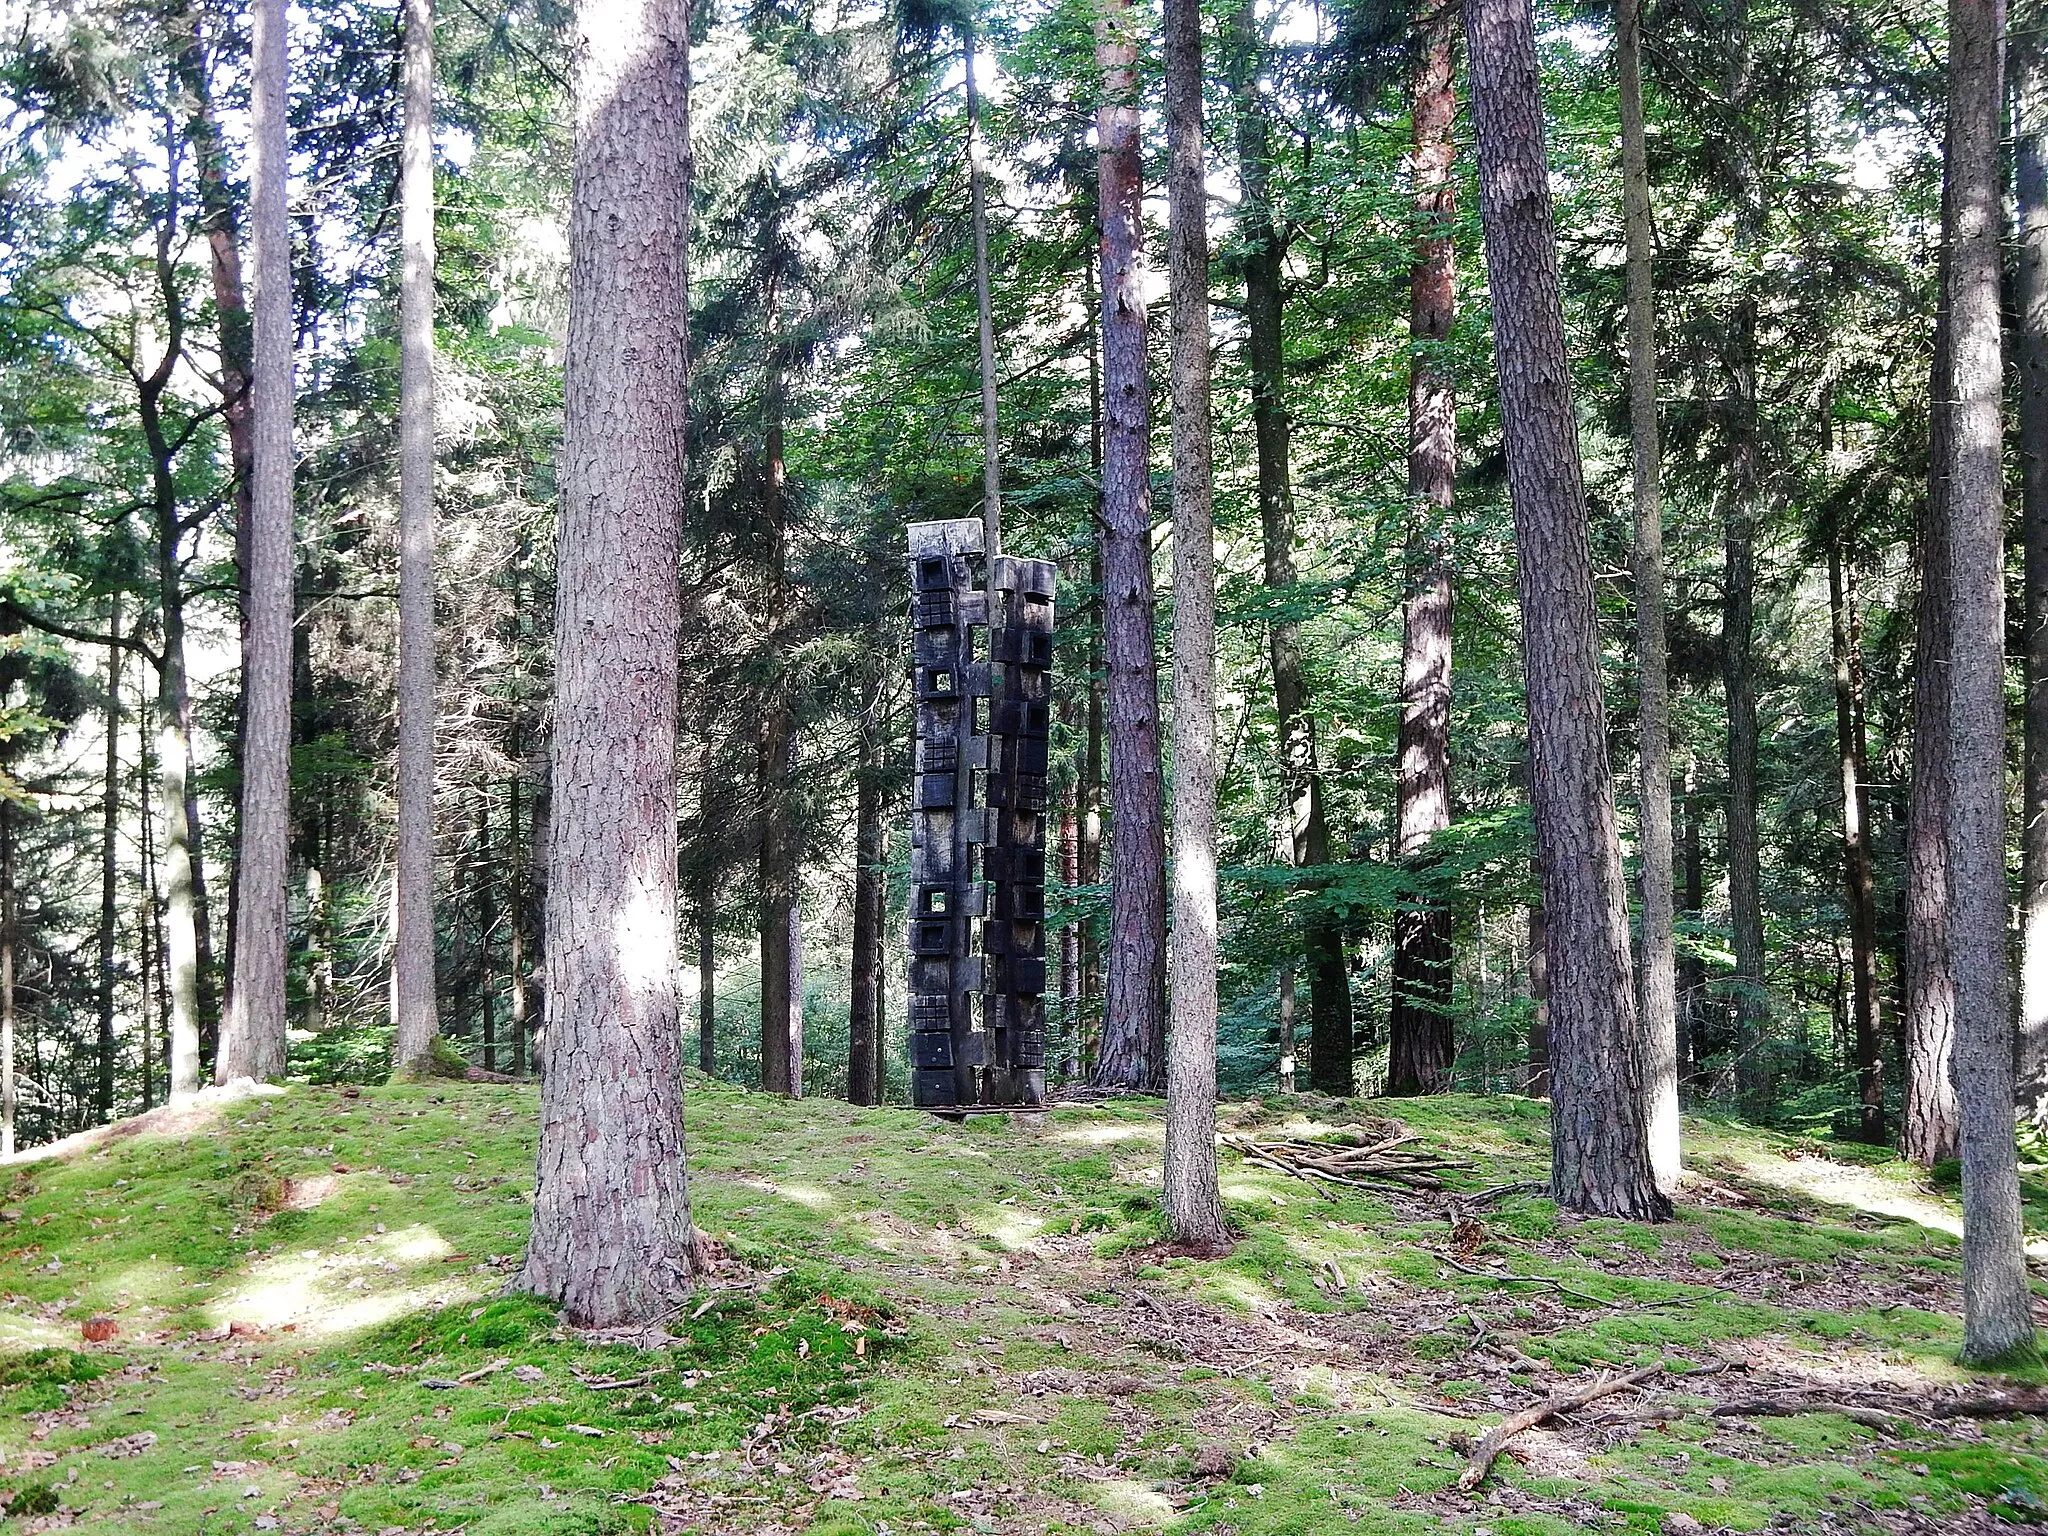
(919, 1325)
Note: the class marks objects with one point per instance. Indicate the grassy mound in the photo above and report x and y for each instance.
(293, 1313)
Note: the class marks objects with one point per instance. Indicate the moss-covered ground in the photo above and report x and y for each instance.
(926, 1326)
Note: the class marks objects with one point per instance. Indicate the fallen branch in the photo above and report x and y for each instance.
(1998, 1405)
(1495, 1440)
(1348, 1165)
(1792, 1407)
(1484, 1274)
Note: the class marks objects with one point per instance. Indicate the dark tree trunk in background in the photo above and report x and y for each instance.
(1659, 982)
(252, 1035)
(775, 743)
(110, 884)
(1421, 1048)
(1600, 1161)
(2029, 60)
(865, 1016)
(1997, 1301)
(1133, 1051)
(1692, 969)
(612, 1243)
(515, 922)
(9, 909)
(1536, 1082)
(1859, 886)
(1305, 826)
(1932, 1118)
(1738, 675)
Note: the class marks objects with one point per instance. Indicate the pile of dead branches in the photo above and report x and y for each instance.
(1356, 1161)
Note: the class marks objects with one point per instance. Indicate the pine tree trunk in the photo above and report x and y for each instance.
(1859, 886)
(1537, 1079)
(612, 1241)
(1659, 1001)
(1600, 1159)
(1997, 1302)
(1738, 672)
(1421, 1047)
(515, 937)
(1932, 1124)
(149, 926)
(252, 1038)
(1692, 969)
(414, 939)
(9, 908)
(775, 743)
(864, 1016)
(2030, 273)
(110, 882)
(1194, 1206)
(1134, 1027)
(991, 472)
(1306, 828)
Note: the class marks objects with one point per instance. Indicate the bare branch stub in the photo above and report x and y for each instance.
(981, 728)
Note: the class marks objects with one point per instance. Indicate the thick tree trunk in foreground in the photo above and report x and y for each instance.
(1305, 826)
(1422, 1049)
(413, 946)
(1133, 1051)
(252, 1036)
(1997, 1314)
(1194, 1207)
(612, 1241)
(1859, 887)
(1659, 979)
(110, 883)
(2030, 261)
(1600, 1160)
(1932, 1118)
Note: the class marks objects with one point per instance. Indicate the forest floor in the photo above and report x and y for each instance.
(288, 1312)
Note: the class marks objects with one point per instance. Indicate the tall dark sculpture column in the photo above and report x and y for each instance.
(977, 925)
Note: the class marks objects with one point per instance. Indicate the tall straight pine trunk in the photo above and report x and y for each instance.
(775, 745)
(1859, 884)
(864, 1019)
(1304, 826)
(612, 1241)
(110, 881)
(984, 312)
(1133, 1053)
(1194, 1207)
(1658, 994)
(252, 1036)
(418, 1022)
(1997, 1301)
(2029, 74)
(1600, 1159)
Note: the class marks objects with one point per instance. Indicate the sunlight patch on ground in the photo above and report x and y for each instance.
(1109, 1134)
(1233, 1288)
(1132, 1505)
(356, 1286)
(1012, 1228)
(196, 1114)
(1827, 1182)
(809, 1196)
(18, 1333)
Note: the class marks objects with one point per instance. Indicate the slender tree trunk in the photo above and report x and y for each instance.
(991, 473)
(9, 908)
(1859, 886)
(1287, 1028)
(865, 1017)
(612, 1241)
(1088, 792)
(1070, 935)
(1932, 1122)
(149, 929)
(1305, 827)
(486, 888)
(1600, 1159)
(2029, 58)
(1659, 982)
(515, 938)
(1738, 670)
(110, 881)
(796, 999)
(1194, 1207)
(1997, 1302)
(1134, 1026)
(1692, 970)
(414, 940)
(1538, 1076)
(252, 1042)
(1422, 1049)
(774, 743)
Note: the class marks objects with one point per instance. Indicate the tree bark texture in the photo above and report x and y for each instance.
(110, 884)
(1133, 1053)
(418, 1022)
(1859, 886)
(252, 1038)
(2029, 50)
(1932, 1122)
(865, 1017)
(1599, 1121)
(1738, 674)
(1194, 1206)
(775, 741)
(611, 1239)
(1305, 827)
(1422, 1049)
(984, 313)
(9, 911)
(1997, 1313)
(1658, 983)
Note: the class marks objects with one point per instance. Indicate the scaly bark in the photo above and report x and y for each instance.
(612, 1242)
(2029, 59)
(1600, 1160)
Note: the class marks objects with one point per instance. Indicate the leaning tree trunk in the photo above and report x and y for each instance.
(1421, 1047)
(612, 1241)
(252, 1038)
(1659, 980)
(1194, 1206)
(413, 947)
(2030, 280)
(1133, 1051)
(1305, 827)
(1859, 887)
(1997, 1301)
(1932, 1122)
(110, 880)
(1600, 1159)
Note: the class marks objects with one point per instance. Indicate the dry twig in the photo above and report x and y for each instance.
(1495, 1440)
